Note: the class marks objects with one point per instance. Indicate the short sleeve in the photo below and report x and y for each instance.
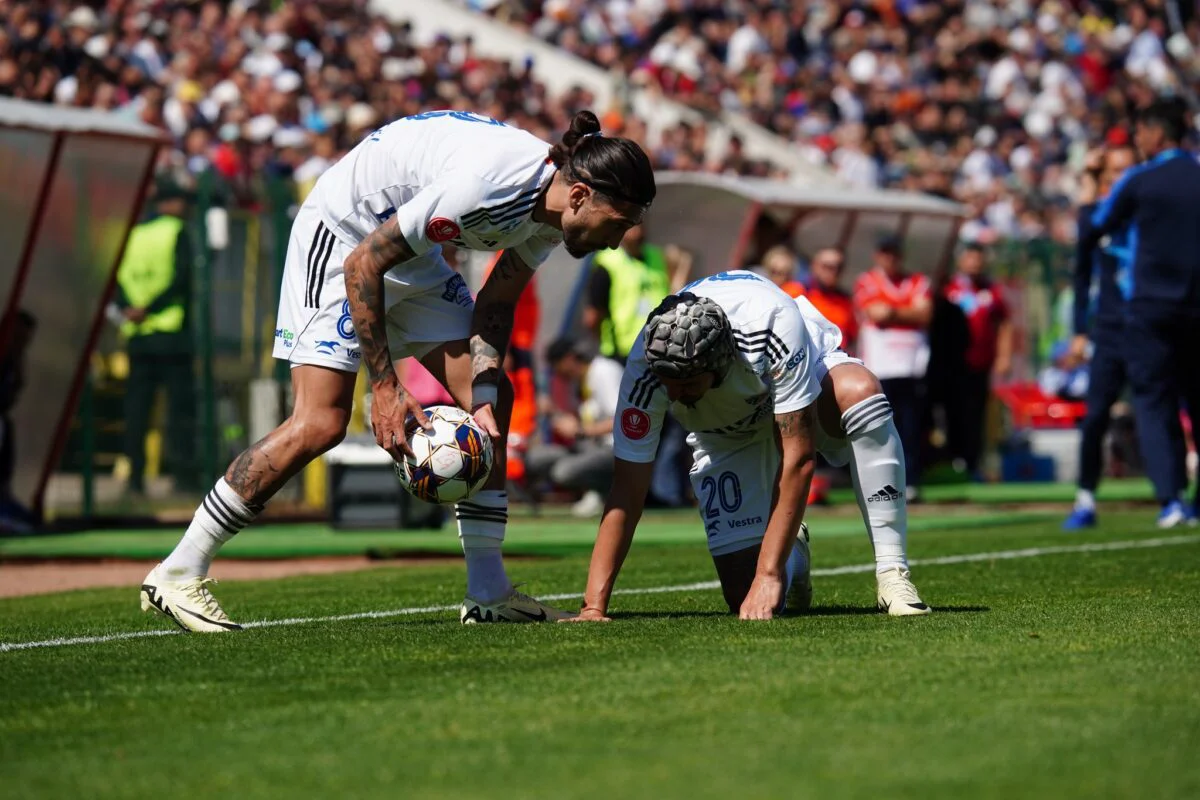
(641, 408)
(791, 370)
(537, 248)
(434, 215)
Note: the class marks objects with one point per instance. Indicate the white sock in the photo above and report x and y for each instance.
(1085, 500)
(481, 523)
(879, 479)
(220, 515)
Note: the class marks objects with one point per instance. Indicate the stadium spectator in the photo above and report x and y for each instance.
(1098, 326)
(825, 292)
(153, 297)
(895, 309)
(780, 265)
(988, 356)
(580, 458)
(14, 517)
(1159, 202)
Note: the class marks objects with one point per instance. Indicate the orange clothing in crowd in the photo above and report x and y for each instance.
(520, 351)
(837, 307)
(793, 288)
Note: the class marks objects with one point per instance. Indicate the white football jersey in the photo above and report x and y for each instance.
(772, 374)
(448, 177)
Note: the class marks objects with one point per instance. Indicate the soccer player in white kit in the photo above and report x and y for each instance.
(365, 283)
(760, 382)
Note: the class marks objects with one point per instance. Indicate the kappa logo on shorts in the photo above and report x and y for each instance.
(635, 424)
(441, 230)
(456, 291)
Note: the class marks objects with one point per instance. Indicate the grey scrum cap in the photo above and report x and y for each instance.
(687, 335)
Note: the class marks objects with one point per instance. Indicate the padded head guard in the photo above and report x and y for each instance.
(688, 335)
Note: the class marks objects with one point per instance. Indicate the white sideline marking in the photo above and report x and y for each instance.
(1002, 555)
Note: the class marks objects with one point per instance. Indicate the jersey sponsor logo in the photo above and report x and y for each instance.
(456, 291)
(441, 230)
(327, 347)
(743, 523)
(635, 424)
(286, 337)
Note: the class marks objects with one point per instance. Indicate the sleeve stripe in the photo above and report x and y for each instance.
(500, 208)
(643, 388)
(524, 208)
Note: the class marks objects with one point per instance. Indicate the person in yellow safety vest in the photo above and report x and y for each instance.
(153, 297)
(626, 283)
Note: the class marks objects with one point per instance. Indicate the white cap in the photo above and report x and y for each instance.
(261, 128)
(360, 115)
(288, 81)
(225, 93)
(290, 137)
(862, 66)
(82, 17)
(97, 47)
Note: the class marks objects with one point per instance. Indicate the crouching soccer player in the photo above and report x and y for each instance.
(724, 355)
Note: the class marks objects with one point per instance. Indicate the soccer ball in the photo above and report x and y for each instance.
(452, 460)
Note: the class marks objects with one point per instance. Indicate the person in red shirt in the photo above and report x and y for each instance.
(834, 302)
(895, 308)
(988, 356)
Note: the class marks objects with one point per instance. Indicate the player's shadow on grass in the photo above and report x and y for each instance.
(668, 614)
(850, 611)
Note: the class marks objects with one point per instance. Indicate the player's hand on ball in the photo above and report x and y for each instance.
(485, 417)
(765, 595)
(588, 615)
(391, 405)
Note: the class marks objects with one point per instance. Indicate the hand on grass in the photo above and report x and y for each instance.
(765, 595)
(588, 615)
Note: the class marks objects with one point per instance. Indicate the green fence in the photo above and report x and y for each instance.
(234, 301)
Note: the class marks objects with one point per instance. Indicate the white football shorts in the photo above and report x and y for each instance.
(314, 325)
(735, 480)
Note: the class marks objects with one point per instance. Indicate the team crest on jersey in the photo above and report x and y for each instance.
(635, 424)
(441, 230)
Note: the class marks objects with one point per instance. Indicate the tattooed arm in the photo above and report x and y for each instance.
(794, 432)
(364, 268)
(491, 327)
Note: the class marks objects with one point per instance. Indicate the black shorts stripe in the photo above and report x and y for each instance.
(328, 251)
(310, 273)
(491, 212)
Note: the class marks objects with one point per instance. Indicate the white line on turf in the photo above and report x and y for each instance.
(965, 558)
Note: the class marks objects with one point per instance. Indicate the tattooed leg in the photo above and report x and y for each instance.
(322, 409)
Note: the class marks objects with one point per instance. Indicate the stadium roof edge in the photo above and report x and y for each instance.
(782, 193)
(51, 118)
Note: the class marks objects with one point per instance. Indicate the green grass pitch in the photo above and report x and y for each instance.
(1055, 670)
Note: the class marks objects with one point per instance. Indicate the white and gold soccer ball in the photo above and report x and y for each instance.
(451, 461)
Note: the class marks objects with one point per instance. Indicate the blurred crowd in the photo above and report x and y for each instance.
(257, 90)
(990, 102)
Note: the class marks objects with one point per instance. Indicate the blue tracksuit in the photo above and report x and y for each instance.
(1103, 322)
(1158, 203)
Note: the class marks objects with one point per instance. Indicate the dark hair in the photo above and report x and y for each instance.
(561, 348)
(611, 166)
(1168, 114)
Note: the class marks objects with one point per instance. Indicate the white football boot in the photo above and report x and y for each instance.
(187, 603)
(897, 595)
(517, 607)
(800, 593)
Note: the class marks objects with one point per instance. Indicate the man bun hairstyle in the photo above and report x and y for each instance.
(611, 166)
(688, 335)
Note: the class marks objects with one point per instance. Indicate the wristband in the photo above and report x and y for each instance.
(484, 394)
